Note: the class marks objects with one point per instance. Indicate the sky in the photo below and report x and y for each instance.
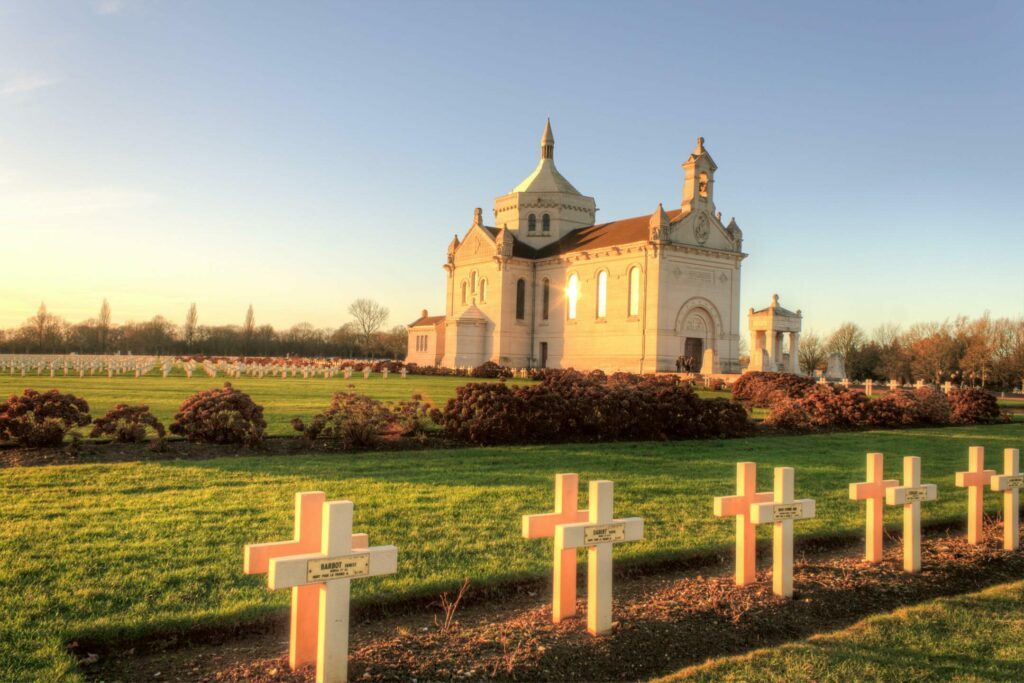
(298, 156)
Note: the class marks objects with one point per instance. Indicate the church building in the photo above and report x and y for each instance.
(545, 286)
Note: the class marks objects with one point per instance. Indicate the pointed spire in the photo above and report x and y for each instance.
(658, 224)
(699, 149)
(478, 216)
(547, 142)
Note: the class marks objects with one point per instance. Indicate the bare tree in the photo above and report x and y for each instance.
(369, 316)
(38, 322)
(811, 354)
(189, 330)
(847, 338)
(103, 325)
(248, 329)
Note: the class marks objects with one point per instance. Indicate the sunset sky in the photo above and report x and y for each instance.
(300, 155)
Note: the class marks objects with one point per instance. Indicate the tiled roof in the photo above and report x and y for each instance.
(429, 320)
(636, 229)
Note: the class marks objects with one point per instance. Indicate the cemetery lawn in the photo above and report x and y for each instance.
(282, 399)
(972, 637)
(108, 552)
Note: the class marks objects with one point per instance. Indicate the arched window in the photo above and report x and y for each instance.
(703, 187)
(464, 286)
(602, 294)
(532, 223)
(472, 282)
(545, 223)
(520, 299)
(572, 292)
(634, 291)
(483, 289)
(545, 299)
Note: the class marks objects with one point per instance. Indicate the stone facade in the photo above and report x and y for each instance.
(546, 287)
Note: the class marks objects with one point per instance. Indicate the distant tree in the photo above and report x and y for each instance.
(811, 355)
(38, 323)
(248, 329)
(394, 343)
(103, 325)
(369, 317)
(188, 331)
(845, 339)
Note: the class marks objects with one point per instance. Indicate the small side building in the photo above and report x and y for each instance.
(768, 328)
(426, 340)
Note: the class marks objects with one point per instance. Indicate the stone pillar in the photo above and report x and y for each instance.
(771, 340)
(794, 352)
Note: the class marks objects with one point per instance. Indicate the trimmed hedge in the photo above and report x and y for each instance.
(224, 416)
(759, 389)
(570, 406)
(37, 419)
(827, 407)
(127, 424)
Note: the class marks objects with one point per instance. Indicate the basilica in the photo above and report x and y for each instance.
(543, 285)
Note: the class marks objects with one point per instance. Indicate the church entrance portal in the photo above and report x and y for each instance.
(693, 352)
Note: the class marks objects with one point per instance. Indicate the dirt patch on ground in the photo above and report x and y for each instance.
(666, 621)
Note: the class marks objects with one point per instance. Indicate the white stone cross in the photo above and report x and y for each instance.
(975, 480)
(597, 535)
(331, 571)
(563, 599)
(873, 491)
(738, 506)
(1010, 483)
(781, 512)
(910, 496)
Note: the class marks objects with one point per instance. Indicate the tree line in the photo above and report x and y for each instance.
(982, 351)
(364, 336)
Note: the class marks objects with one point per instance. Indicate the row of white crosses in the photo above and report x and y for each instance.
(751, 507)
(140, 366)
(324, 556)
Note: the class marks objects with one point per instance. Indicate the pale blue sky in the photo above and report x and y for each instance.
(298, 155)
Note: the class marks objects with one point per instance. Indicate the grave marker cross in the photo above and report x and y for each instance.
(331, 571)
(597, 535)
(975, 480)
(305, 599)
(1010, 483)
(738, 506)
(910, 496)
(563, 600)
(781, 512)
(873, 491)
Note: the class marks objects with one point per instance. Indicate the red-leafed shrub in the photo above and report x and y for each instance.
(759, 388)
(358, 421)
(127, 424)
(220, 416)
(973, 406)
(932, 405)
(412, 417)
(433, 370)
(570, 406)
(490, 370)
(894, 409)
(823, 407)
(37, 419)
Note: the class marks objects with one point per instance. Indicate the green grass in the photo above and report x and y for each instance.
(127, 549)
(282, 399)
(973, 637)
